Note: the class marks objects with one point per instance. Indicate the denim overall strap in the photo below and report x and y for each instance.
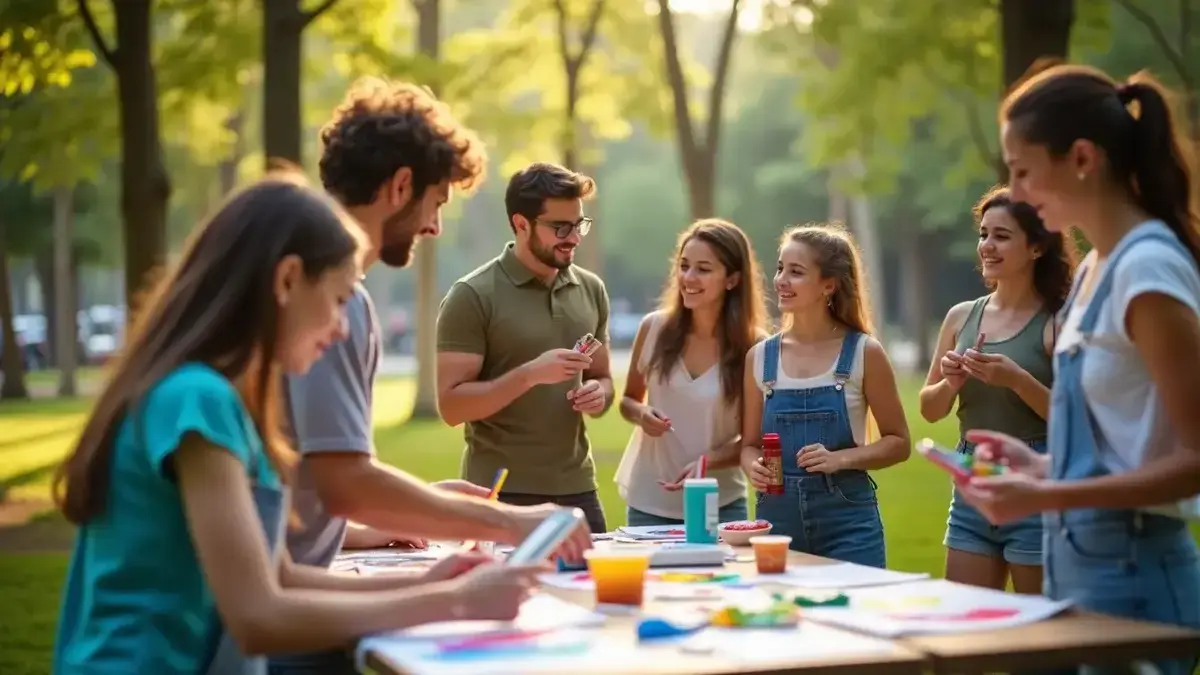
(1087, 324)
(770, 363)
(845, 362)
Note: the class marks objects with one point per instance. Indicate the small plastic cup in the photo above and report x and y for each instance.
(771, 552)
(619, 574)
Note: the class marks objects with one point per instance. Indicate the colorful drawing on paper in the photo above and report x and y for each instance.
(678, 577)
(516, 645)
(912, 609)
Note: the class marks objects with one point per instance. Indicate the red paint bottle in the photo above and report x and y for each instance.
(772, 453)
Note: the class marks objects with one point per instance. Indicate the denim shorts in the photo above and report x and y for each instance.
(734, 510)
(1018, 543)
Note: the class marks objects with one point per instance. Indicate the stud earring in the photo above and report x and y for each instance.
(1081, 175)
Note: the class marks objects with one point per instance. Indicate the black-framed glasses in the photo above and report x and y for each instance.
(564, 228)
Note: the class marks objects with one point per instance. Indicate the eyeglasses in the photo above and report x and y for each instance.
(564, 228)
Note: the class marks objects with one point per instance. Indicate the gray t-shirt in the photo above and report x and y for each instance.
(330, 408)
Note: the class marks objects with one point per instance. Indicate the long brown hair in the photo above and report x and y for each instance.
(216, 307)
(743, 313)
(1053, 268)
(837, 258)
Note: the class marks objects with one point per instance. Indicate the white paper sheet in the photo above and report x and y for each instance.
(540, 612)
(652, 532)
(935, 606)
(839, 575)
(591, 651)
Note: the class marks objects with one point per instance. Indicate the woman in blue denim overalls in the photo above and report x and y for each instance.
(813, 384)
(1124, 433)
(994, 359)
(177, 484)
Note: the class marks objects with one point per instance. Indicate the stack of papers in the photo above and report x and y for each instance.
(652, 532)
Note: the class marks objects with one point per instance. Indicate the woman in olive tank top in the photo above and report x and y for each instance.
(994, 358)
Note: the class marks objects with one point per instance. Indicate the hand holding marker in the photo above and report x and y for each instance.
(497, 484)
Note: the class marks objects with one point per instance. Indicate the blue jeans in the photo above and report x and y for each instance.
(734, 510)
(1145, 568)
(836, 518)
(1019, 543)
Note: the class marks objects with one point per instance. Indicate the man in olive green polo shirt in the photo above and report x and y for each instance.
(506, 367)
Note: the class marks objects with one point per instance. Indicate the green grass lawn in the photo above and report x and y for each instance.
(35, 435)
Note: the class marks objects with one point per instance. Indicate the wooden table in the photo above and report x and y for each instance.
(1070, 639)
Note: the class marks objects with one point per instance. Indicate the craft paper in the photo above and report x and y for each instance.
(935, 606)
(582, 581)
(652, 532)
(545, 627)
(839, 575)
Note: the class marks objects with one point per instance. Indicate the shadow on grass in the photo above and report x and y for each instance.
(34, 475)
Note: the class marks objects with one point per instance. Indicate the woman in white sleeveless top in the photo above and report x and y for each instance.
(683, 393)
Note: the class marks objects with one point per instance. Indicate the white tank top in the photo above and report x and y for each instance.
(856, 400)
(703, 420)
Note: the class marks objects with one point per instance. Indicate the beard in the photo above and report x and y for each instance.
(547, 255)
(399, 237)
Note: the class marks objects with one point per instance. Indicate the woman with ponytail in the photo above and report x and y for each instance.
(1124, 438)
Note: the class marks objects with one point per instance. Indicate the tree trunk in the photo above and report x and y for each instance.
(227, 169)
(1031, 30)
(915, 292)
(698, 156)
(282, 44)
(66, 339)
(48, 283)
(862, 225)
(145, 185)
(429, 33)
(13, 386)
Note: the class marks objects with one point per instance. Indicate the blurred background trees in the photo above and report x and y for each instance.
(123, 123)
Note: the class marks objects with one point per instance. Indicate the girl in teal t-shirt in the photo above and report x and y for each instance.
(177, 481)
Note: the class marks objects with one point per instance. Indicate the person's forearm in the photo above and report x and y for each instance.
(472, 401)
(937, 400)
(630, 409)
(1035, 394)
(728, 455)
(885, 452)
(305, 620)
(1163, 481)
(294, 575)
(392, 501)
(361, 536)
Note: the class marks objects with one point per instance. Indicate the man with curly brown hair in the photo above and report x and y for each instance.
(391, 154)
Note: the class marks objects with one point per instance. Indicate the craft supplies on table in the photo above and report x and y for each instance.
(934, 606)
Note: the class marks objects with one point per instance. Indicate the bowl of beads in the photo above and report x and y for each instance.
(738, 532)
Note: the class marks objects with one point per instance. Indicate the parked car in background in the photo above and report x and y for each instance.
(101, 332)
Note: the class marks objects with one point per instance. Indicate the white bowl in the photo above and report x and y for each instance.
(741, 537)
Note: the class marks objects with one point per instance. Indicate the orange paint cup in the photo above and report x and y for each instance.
(619, 574)
(771, 552)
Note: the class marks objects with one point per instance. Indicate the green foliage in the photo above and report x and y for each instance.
(52, 132)
(875, 67)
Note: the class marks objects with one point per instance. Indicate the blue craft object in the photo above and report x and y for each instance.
(654, 628)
